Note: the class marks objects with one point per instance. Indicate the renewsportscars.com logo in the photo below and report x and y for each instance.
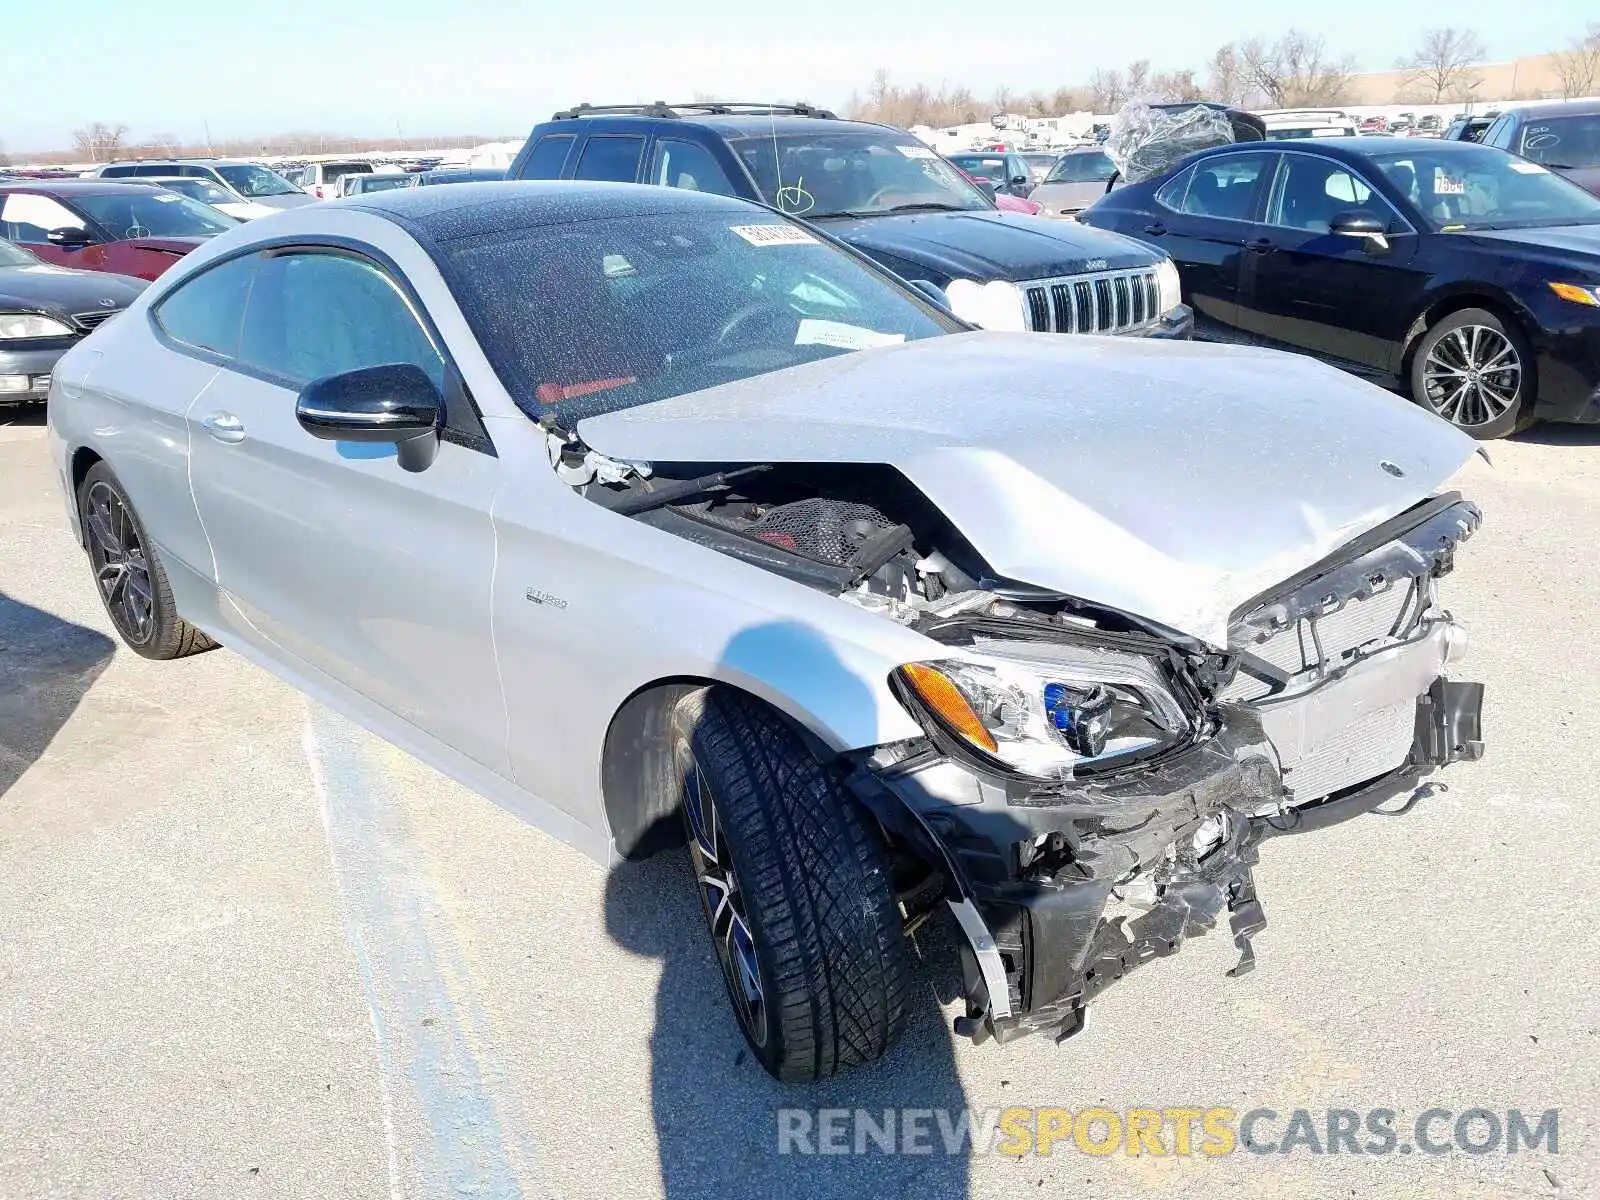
(1179, 1131)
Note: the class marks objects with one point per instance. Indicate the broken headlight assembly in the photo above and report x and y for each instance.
(1046, 710)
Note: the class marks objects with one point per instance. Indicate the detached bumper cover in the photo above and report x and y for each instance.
(1063, 891)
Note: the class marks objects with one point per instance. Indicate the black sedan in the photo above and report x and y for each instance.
(1465, 275)
(45, 310)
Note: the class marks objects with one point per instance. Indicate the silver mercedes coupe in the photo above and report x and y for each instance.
(662, 518)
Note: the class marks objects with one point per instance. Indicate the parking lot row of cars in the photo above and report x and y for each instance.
(1373, 271)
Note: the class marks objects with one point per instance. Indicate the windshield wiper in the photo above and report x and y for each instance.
(924, 206)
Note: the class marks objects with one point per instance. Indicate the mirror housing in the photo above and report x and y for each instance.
(987, 187)
(1359, 223)
(396, 403)
(932, 291)
(70, 239)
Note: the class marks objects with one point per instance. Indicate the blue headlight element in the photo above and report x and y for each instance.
(1080, 715)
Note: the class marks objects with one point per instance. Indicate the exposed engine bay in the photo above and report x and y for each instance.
(1093, 788)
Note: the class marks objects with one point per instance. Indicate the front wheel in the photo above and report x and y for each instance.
(132, 581)
(1477, 372)
(795, 887)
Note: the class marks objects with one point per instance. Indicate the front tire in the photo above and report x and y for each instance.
(796, 890)
(1477, 372)
(131, 578)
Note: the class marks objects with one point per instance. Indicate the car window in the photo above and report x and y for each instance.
(207, 310)
(610, 158)
(1459, 186)
(1094, 166)
(27, 219)
(116, 172)
(1310, 191)
(1172, 191)
(688, 165)
(316, 314)
(1498, 134)
(824, 173)
(606, 327)
(1225, 187)
(1565, 142)
(251, 181)
(137, 212)
(548, 156)
(152, 169)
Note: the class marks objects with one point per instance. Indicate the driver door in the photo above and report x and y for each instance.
(332, 557)
(28, 219)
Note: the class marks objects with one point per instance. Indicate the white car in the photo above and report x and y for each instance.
(883, 615)
(247, 182)
(210, 193)
(321, 179)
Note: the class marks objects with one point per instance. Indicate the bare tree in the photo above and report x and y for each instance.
(1442, 63)
(1068, 100)
(1175, 86)
(1225, 76)
(1108, 91)
(1578, 66)
(98, 141)
(1295, 71)
(1138, 79)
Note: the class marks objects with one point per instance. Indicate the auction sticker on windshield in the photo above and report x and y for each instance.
(1445, 185)
(916, 152)
(773, 235)
(840, 336)
(1528, 168)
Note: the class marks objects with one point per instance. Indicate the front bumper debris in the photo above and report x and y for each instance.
(1063, 891)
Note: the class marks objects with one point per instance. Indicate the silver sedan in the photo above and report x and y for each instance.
(656, 516)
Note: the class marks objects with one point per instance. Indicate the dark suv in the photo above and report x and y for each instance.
(882, 192)
(1563, 137)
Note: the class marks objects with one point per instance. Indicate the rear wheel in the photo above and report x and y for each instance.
(133, 583)
(1475, 371)
(795, 888)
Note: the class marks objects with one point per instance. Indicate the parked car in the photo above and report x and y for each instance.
(1464, 128)
(249, 182)
(1049, 633)
(106, 225)
(1372, 125)
(1039, 162)
(882, 192)
(1563, 137)
(210, 193)
(1429, 124)
(1004, 171)
(432, 177)
(1285, 123)
(1077, 180)
(321, 179)
(1465, 275)
(365, 184)
(44, 312)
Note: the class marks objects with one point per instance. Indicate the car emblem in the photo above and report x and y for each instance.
(108, 304)
(1392, 468)
(1096, 264)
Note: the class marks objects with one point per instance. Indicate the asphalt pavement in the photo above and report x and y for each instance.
(249, 950)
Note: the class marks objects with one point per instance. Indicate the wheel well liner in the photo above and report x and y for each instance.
(82, 459)
(635, 763)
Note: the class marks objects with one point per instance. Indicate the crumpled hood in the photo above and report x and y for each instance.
(987, 245)
(1171, 480)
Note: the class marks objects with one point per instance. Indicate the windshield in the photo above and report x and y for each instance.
(202, 190)
(1564, 142)
(982, 166)
(585, 318)
(14, 256)
(251, 181)
(854, 174)
(153, 214)
(1093, 167)
(1479, 187)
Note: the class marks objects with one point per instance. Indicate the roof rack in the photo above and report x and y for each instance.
(719, 108)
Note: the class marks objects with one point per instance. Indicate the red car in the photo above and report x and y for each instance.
(124, 228)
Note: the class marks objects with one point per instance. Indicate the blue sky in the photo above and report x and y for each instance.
(366, 67)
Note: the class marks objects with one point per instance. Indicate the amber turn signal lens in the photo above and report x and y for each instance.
(946, 702)
(1578, 295)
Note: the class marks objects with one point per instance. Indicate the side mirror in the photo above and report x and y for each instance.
(1358, 223)
(986, 186)
(70, 239)
(1019, 181)
(396, 403)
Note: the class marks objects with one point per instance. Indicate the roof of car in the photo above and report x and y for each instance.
(465, 210)
(1562, 108)
(1351, 146)
(731, 125)
(76, 187)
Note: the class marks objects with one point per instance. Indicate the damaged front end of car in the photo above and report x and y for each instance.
(1095, 798)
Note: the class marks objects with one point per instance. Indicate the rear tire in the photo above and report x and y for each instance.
(131, 579)
(1477, 372)
(796, 889)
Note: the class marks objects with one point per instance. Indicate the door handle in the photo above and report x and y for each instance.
(1261, 245)
(1155, 229)
(225, 427)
